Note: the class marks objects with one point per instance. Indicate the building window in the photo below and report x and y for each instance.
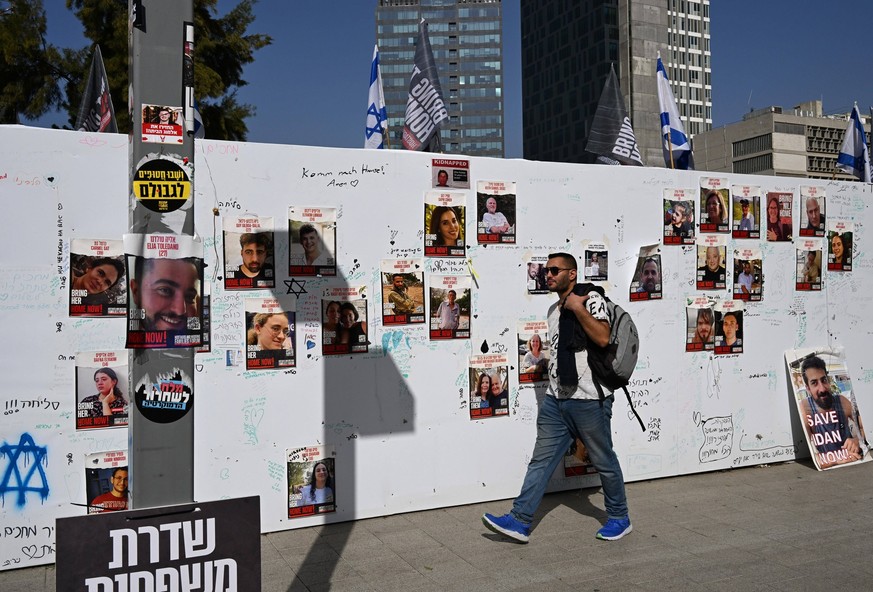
(756, 164)
(752, 145)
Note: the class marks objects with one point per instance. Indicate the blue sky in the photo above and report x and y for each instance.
(310, 85)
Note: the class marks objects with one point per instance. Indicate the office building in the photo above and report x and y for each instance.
(467, 41)
(567, 47)
(798, 142)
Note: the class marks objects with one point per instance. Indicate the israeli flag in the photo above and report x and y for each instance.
(377, 115)
(199, 130)
(854, 158)
(677, 149)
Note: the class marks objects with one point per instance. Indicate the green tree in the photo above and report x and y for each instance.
(221, 49)
(30, 69)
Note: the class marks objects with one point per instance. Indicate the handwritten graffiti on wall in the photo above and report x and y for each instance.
(24, 464)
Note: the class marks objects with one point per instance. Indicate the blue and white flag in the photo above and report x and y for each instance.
(199, 130)
(677, 150)
(854, 158)
(377, 115)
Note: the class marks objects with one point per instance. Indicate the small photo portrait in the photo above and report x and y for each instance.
(808, 268)
(596, 264)
(700, 328)
(248, 253)
(444, 225)
(840, 246)
(453, 173)
(748, 275)
(101, 390)
(312, 241)
(106, 481)
(812, 211)
(311, 481)
(495, 208)
(162, 124)
(678, 221)
(450, 307)
(489, 392)
(98, 280)
(729, 332)
(711, 270)
(746, 204)
(270, 335)
(779, 216)
(714, 197)
(402, 293)
(646, 282)
(344, 324)
(533, 351)
(535, 275)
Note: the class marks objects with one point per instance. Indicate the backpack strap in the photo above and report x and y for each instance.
(626, 394)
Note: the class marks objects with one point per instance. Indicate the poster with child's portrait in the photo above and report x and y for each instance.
(495, 209)
(808, 257)
(311, 481)
(102, 400)
(444, 224)
(312, 241)
(746, 206)
(679, 217)
(402, 291)
(840, 234)
(812, 211)
(700, 324)
(714, 212)
(248, 253)
(270, 334)
(533, 351)
(489, 386)
(827, 407)
(98, 281)
(748, 277)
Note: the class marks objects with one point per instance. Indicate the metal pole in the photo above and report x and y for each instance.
(161, 452)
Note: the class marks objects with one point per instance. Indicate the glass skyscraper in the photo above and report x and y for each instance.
(467, 41)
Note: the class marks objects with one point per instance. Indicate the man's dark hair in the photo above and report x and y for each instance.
(706, 313)
(261, 239)
(730, 314)
(569, 260)
(394, 276)
(116, 469)
(306, 229)
(453, 292)
(812, 362)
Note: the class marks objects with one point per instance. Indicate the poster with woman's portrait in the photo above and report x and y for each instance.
(812, 211)
(535, 275)
(746, 206)
(311, 481)
(489, 386)
(729, 327)
(827, 407)
(102, 400)
(450, 306)
(808, 257)
(98, 281)
(162, 124)
(495, 212)
(533, 351)
(840, 234)
(106, 480)
(679, 216)
(312, 241)
(249, 261)
(444, 224)
(402, 291)
(779, 216)
(748, 277)
(700, 324)
(714, 199)
(646, 282)
(596, 262)
(344, 321)
(711, 262)
(270, 334)
(164, 304)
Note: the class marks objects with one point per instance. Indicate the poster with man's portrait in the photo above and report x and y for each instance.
(729, 327)
(495, 212)
(646, 282)
(746, 211)
(312, 241)
(679, 216)
(535, 274)
(106, 481)
(748, 276)
(249, 261)
(451, 173)
(827, 407)
(711, 262)
(700, 324)
(450, 297)
(808, 258)
(402, 291)
(98, 280)
(812, 211)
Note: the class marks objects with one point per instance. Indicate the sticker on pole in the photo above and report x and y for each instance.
(161, 185)
(167, 398)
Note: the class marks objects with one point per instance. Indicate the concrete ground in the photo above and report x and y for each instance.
(782, 527)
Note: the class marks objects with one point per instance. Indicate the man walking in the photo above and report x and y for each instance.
(571, 409)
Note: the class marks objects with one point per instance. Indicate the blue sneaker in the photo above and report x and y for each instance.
(614, 529)
(508, 526)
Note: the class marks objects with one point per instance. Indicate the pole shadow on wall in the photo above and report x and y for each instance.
(364, 393)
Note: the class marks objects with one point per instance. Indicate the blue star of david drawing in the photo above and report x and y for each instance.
(22, 486)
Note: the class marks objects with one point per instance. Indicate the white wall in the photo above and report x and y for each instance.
(403, 440)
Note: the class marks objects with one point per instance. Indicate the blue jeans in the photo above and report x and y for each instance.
(558, 422)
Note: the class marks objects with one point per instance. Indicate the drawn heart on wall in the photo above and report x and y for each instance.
(30, 550)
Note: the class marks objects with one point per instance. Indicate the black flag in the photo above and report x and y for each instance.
(96, 113)
(425, 109)
(612, 137)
